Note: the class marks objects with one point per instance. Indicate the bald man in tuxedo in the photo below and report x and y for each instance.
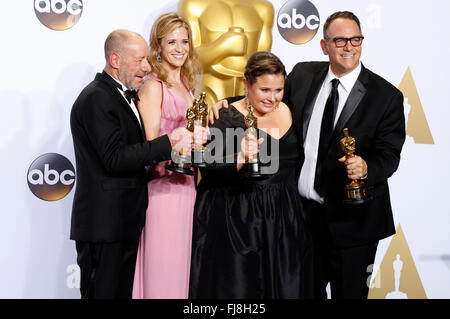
(111, 153)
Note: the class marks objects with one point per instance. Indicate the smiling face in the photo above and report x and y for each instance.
(346, 59)
(174, 48)
(265, 93)
(133, 64)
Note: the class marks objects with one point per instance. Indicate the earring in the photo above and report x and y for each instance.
(246, 98)
(158, 57)
(247, 102)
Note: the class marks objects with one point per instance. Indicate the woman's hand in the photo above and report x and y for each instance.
(249, 149)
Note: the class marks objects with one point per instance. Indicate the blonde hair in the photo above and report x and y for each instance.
(163, 26)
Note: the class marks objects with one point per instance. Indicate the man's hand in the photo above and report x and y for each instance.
(356, 167)
(181, 140)
(214, 111)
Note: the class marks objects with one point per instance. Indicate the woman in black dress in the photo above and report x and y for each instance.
(249, 237)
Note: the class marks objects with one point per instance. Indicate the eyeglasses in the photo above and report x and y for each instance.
(342, 42)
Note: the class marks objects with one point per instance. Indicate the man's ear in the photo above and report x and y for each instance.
(323, 45)
(115, 60)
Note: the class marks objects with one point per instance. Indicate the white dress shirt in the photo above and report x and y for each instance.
(311, 144)
(131, 104)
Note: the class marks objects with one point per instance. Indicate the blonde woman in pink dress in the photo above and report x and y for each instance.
(164, 255)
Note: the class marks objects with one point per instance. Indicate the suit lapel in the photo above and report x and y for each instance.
(351, 105)
(140, 118)
(114, 88)
(357, 93)
(312, 92)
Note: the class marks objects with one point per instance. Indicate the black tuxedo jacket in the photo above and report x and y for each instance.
(374, 116)
(111, 153)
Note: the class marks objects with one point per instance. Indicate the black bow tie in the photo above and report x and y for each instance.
(131, 94)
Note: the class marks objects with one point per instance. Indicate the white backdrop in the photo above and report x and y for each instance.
(44, 70)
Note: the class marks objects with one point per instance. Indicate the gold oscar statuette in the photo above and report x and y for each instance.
(201, 119)
(183, 162)
(356, 190)
(252, 167)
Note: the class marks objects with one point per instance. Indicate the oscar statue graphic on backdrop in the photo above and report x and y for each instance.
(417, 126)
(225, 34)
(396, 294)
(397, 276)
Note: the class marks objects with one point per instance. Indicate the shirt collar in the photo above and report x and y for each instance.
(347, 81)
(120, 84)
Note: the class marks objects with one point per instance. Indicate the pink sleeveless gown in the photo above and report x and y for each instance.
(164, 254)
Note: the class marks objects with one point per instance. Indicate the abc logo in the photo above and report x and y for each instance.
(58, 14)
(51, 177)
(298, 21)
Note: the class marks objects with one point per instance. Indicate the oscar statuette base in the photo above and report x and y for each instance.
(183, 166)
(252, 171)
(198, 158)
(356, 193)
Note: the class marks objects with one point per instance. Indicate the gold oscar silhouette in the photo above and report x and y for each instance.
(225, 34)
(201, 119)
(356, 190)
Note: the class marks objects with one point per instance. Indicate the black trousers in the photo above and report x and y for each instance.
(107, 269)
(346, 269)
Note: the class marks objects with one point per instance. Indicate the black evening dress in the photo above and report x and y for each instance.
(249, 237)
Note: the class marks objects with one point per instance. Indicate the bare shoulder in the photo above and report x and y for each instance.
(285, 111)
(151, 95)
(284, 108)
(151, 85)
